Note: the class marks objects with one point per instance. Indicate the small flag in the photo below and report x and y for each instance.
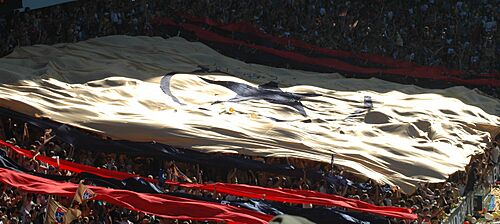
(332, 162)
(179, 174)
(26, 134)
(56, 213)
(368, 102)
(161, 178)
(83, 193)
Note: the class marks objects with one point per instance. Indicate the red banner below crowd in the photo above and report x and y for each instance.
(160, 205)
(241, 190)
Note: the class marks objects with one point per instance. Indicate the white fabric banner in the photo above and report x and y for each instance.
(392, 133)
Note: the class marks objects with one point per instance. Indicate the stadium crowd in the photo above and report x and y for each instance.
(456, 34)
(432, 202)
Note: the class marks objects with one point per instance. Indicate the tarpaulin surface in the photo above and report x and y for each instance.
(164, 206)
(82, 140)
(124, 102)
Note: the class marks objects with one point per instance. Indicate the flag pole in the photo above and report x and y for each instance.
(215, 190)
(332, 162)
(46, 218)
(73, 201)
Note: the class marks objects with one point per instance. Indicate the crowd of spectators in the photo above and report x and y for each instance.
(455, 34)
(432, 202)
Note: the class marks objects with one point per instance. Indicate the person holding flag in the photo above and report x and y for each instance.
(180, 175)
(83, 193)
(56, 213)
(161, 178)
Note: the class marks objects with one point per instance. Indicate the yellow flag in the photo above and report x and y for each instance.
(83, 193)
(56, 213)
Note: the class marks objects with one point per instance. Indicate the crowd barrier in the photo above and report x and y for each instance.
(477, 200)
(458, 215)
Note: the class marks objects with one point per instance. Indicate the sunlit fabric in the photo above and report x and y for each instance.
(111, 86)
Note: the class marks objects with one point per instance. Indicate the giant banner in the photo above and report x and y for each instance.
(116, 86)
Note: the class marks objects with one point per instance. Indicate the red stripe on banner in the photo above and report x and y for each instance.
(250, 29)
(435, 73)
(241, 190)
(490, 75)
(160, 205)
(306, 197)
